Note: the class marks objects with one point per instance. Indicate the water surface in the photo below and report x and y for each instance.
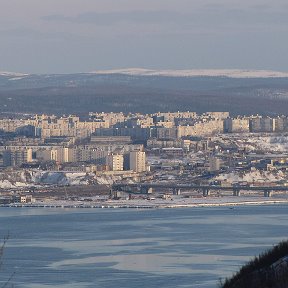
(189, 247)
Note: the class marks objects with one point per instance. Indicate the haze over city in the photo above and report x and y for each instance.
(69, 36)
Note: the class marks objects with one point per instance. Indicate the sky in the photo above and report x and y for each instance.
(69, 36)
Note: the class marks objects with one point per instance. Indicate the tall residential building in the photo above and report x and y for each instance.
(236, 125)
(137, 161)
(262, 124)
(15, 157)
(281, 124)
(115, 162)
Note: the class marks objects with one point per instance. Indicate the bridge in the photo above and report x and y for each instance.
(147, 188)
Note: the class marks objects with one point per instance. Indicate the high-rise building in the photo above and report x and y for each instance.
(236, 125)
(15, 157)
(115, 162)
(262, 124)
(137, 161)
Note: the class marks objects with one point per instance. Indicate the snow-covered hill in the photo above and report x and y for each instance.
(28, 178)
(231, 73)
(12, 74)
(235, 91)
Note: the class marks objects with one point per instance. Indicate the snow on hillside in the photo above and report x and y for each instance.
(6, 184)
(252, 176)
(35, 177)
(264, 143)
(12, 74)
(71, 178)
(231, 73)
(60, 178)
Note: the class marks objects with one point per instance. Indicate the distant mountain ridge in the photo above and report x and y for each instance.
(12, 74)
(231, 73)
(145, 91)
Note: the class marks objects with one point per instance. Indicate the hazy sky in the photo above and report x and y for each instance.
(63, 36)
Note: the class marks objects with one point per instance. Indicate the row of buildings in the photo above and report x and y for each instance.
(158, 125)
(113, 139)
(255, 124)
(134, 160)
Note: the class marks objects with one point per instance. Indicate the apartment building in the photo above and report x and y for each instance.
(236, 125)
(115, 162)
(137, 160)
(261, 124)
(15, 157)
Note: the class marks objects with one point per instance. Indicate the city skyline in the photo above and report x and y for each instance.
(81, 36)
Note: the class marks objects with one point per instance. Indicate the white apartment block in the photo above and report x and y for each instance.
(204, 128)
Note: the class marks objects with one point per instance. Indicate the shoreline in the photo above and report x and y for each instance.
(145, 204)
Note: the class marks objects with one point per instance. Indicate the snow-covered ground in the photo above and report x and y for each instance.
(17, 179)
(252, 142)
(253, 176)
(265, 143)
